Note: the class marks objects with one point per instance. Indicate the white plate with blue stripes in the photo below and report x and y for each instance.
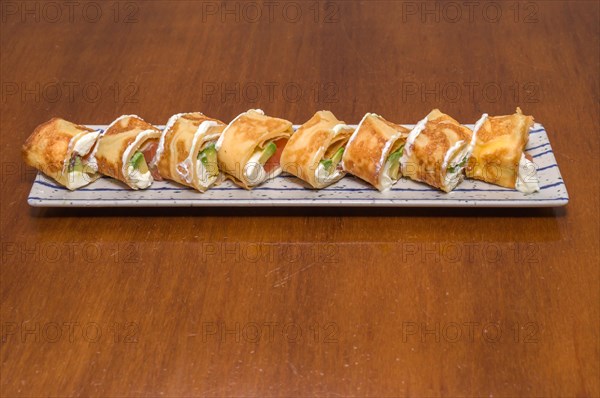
(287, 190)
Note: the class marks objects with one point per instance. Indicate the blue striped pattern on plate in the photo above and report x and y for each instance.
(287, 190)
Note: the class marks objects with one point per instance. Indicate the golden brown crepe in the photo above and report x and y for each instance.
(436, 151)
(373, 151)
(60, 149)
(122, 142)
(185, 141)
(498, 154)
(242, 145)
(313, 153)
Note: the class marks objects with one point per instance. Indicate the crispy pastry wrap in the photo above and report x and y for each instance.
(436, 151)
(498, 154)
(186, 151)
(125, 149)
(314, 152)
(373, 151)
(250, 147)
(60, 149)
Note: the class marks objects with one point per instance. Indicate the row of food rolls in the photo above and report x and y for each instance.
(200, 152)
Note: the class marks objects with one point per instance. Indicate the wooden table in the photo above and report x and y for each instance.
(301, 302)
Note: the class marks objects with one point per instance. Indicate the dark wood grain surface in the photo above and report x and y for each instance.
(301, 302)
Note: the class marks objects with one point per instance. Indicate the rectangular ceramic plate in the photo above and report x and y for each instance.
(287, 190)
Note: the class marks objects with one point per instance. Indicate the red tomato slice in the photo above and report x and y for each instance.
(274, 160)
(149, 152)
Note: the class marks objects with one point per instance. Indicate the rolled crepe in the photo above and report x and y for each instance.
(373, 151)
(436, 151)
(498, 154)
(314, 152)
(249, 149)
(125, 149)
(186, 150)
(60, 149)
